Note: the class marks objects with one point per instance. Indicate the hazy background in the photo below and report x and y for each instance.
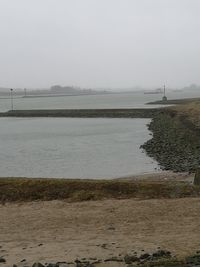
(99, 43)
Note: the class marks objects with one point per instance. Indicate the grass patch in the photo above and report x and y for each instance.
(27, 189)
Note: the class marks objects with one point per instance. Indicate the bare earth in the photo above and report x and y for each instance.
(57, 231)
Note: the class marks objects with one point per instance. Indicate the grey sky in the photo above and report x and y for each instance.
(99, 43)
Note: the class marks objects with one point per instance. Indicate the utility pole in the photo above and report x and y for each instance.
(11, 98)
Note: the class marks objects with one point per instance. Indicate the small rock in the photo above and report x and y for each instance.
(104, 246)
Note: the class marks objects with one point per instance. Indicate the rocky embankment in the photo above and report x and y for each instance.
(175, 143)
(156, 259)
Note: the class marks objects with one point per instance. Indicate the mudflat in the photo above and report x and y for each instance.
(50, 231)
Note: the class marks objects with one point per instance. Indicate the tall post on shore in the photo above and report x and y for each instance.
(164, 99)
(11, 98)
(25, 92)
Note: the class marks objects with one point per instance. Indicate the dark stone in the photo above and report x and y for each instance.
(161, 253)
(2, 260)
(104, 246)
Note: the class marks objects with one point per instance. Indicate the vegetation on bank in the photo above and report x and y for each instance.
(27, 189)
(189, 112)
(84, 113)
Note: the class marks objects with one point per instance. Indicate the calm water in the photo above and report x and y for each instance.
(73, 148)
(125, 100)
(81, 102)
(76, 148)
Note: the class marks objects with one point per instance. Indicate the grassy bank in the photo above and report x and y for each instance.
(84, 113)
(25, 189)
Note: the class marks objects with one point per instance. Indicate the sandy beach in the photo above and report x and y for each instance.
(59, 231)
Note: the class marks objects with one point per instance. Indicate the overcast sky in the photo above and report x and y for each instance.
(99, 43)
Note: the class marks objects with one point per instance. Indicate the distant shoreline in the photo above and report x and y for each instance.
(174, 101)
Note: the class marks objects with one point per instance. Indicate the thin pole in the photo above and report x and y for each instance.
(11, 98)
(164, 89)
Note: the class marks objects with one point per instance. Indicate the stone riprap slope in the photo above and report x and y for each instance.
(176, 139)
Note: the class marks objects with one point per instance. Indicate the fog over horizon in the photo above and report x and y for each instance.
(99, 43)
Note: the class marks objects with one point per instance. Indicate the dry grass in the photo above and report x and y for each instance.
(191, 111)
(26, 189)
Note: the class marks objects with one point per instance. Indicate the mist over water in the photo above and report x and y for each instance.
(122, 100)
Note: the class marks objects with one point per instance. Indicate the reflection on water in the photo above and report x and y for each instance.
(73, 148)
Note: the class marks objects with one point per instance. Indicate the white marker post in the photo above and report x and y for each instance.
(11, 98)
